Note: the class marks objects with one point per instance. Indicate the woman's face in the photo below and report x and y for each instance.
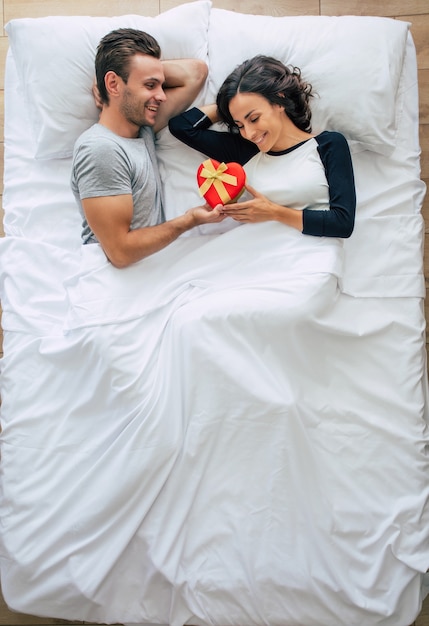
(259, 121)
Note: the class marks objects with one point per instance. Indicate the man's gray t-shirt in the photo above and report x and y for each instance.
(105, 164)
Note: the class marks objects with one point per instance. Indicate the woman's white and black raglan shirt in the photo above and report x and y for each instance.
(315, 176)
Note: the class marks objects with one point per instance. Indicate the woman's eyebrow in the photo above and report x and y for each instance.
(246, 116)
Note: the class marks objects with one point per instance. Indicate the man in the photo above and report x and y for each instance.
(115, 177)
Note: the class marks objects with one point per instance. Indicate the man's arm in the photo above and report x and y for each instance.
(110, 217)
(184, 79)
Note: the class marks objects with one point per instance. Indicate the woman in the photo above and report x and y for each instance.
(303, 180)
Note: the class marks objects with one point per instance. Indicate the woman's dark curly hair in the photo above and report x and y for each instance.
(270, 78)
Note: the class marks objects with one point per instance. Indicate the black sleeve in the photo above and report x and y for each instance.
(192, 128)
(339, 220)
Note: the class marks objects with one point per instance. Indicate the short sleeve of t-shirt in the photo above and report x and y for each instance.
(101, 169)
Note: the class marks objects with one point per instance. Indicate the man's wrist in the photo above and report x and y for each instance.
(186, 221)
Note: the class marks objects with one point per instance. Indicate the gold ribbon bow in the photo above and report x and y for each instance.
(217, 178)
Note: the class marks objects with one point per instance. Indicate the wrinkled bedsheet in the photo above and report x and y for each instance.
(233, 431)
(218, 442)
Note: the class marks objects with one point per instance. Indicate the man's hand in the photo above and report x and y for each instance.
(96, 94)
(206, 215)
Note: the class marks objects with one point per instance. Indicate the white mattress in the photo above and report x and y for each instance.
(218, 434)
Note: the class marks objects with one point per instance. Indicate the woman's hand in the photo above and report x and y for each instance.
(260, 209)
(257, 209)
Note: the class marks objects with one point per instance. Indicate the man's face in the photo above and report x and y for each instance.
(143, 93)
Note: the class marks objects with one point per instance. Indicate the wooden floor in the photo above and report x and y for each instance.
(423, 619)
(17, 619)
(414, 11)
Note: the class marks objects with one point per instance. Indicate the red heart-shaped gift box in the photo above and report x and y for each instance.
(220, 183)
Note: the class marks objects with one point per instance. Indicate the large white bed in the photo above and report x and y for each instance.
(217, 435)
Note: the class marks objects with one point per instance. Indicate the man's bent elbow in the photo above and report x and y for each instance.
(200, 71)
(118, 259)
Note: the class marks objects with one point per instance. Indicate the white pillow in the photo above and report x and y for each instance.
(354, 64)
(54, 57)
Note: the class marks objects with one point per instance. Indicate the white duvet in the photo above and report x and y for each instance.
(219, 434)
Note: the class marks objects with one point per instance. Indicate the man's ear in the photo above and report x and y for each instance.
(113, 83)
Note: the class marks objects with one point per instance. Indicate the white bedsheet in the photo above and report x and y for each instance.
(217, 434)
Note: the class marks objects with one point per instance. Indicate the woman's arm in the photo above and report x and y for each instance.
(211, 111)
(339, 221)
(193, 129)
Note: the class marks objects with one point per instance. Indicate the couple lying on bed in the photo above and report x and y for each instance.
(299, 179)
